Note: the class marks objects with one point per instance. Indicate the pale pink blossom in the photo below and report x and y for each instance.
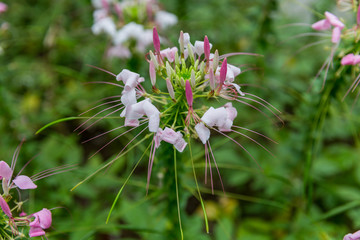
(165, 19)
(350, 59)
(3, 7)
(352, 236)
(169, 53)
(136, 111)
(21, 181)
(170, 136)
(325, 24)
(42, 221)
(203, 132)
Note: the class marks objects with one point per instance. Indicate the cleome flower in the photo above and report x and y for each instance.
(333, 23)
(14, 220)
(352, 236)
(185, 81)
(127, 23)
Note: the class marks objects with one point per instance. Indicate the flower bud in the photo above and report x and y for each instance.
(170, 88)
(153, 59)
(181, 42)
(192, 78)
(206, 48)
(156, 41)
(169, 69)
(212, 78)
(188, 93)
(152, 73)
(191, 53)
(216, 59)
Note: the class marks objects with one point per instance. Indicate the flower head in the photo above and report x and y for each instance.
(3, 7)
(195, 79)
(128, 24)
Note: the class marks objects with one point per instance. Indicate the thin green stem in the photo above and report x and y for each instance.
(177, 195)
(197, 188)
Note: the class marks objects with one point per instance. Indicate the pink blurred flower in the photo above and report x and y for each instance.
(3, 7)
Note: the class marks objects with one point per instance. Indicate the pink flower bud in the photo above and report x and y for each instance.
(321, 25)
(188, 93)
(223, 72)
(156, 41)
(336, 34)
(152, 73)
(118, 10)
(358, 16)
(348, 59)
(170, 88)
(5, 207)
(206, 48)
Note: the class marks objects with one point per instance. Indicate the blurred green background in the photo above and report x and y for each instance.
(310, 190)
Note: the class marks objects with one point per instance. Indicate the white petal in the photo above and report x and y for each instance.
(203, 132)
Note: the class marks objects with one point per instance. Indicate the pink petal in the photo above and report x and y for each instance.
(42, 219)
(356, 235)
(5, 170)
(5, 207)
(203, 132)
(169, 135)
(180, 144)
(188, 93)
(321, 25)
(36, 232)
(336, 34)
(231, 111)
(334, 20)
(348, 59)
(3, 7)
(207, 48)
(24, 182)
(358, 15)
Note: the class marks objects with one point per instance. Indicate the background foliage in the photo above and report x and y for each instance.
(309, 191)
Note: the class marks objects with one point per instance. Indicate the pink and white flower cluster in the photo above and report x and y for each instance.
(127, 24)
(17, 223)
(37, 221)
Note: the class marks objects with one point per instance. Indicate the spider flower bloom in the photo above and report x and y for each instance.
(126, 24)
(352, 236)
(42, 221)
(184, 82)
(351, 59)
(3, 7)
(326, 24)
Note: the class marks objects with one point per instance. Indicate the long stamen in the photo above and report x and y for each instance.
(115, 139)
(217, 169)
(262, 135)
(117, 105)
(114, 101)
